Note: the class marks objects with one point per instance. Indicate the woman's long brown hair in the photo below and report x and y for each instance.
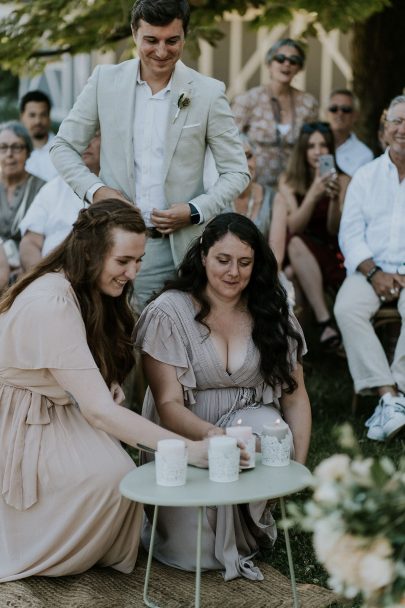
(109, 321)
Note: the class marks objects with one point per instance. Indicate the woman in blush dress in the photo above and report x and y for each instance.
(65, 347)
(219, 346)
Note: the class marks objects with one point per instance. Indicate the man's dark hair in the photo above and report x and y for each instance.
(37, 96)
(160, 12)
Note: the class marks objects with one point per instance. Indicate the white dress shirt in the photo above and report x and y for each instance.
(39, 162)
(352, 154)
(373, 219)
(52, 213)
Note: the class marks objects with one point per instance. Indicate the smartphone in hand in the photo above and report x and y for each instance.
(326, 164)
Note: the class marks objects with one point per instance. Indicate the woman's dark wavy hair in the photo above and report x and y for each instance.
(266, 298)
(109, 321)
(299, 174)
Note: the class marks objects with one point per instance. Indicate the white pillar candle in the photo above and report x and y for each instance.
(174, 447)
(278, 429)
(223, 443)
(171, 462)
(240, 432)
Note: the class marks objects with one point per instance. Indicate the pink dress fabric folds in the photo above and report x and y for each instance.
(60, 508)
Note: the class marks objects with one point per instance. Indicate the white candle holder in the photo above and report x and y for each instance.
(171, 463)
(223, 459)
(276, 452)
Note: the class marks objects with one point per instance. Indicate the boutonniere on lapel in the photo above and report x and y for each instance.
(183, 101)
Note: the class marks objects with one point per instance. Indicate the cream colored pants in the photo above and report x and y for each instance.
(356, 303)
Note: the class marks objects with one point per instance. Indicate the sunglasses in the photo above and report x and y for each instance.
(292, 59)
(311, 127)
(345, 109)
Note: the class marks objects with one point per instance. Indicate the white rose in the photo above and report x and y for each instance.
(343, 562)
(328, 493)
(334, 467)
(325, 538)
(376, 569)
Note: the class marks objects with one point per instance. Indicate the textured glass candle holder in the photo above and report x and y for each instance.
(223, 459)
(171, 468)
(276, 452)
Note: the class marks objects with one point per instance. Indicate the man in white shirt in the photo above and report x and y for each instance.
(372, 239)
(157, 117)
(35, 114)
(351, 153)
(53, 211)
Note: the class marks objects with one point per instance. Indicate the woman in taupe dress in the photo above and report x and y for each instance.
(219, 345)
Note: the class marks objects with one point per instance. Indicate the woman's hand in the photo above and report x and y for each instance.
(333, 186)
(198, 453)
(319, 186)
(117, 393)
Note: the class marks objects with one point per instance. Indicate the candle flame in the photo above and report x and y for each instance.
(239, 421)
(278, 421)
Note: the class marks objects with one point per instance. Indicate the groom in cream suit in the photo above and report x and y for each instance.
(157, 117)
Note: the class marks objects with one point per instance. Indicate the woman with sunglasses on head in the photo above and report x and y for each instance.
(271, 115)
(314, 202)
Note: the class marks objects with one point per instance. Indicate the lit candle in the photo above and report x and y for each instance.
(278, 429)
(240, 432)
(171, 447)
(244, 433)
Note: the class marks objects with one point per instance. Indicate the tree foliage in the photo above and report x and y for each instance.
(38, 29)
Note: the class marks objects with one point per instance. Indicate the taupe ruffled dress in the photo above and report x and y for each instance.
(168, 332)
(60, 508)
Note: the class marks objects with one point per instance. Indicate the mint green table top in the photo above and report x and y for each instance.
(260, 483)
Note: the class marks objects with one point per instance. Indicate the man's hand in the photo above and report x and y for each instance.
(387, 285)
(170, 220)
(105, 192)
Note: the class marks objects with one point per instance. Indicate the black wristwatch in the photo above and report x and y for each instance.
(372, 272)
(195, 215)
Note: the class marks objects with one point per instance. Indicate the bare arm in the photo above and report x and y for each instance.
(168, 395)
(297, 413)
(31, 249)
(95, 402)
(278, 228)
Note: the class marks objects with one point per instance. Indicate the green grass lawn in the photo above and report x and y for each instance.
(330, 391)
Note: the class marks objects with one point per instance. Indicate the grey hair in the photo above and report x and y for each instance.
(284, 42)
(19, 130)
(395, 102)
(347, 93)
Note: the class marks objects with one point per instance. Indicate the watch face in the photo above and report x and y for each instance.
(401, 269)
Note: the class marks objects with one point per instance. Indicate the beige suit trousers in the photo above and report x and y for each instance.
(356, 304)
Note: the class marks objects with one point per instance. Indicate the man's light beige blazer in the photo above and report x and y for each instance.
(108, 102)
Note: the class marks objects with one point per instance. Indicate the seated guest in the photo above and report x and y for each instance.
(314, 203)
(53, 212)
(35, 115)
(220, 346)
(4, 269)
(351, 153)
(17, 187)
(372, 240)
(65, 347)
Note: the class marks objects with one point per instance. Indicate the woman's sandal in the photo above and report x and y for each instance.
(334, 342)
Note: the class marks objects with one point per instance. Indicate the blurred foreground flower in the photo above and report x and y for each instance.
(357, 517)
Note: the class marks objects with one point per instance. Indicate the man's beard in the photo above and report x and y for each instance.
(39, 134)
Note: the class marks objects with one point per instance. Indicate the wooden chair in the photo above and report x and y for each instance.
(387, 325)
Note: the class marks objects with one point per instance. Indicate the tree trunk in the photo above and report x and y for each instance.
(378, 61)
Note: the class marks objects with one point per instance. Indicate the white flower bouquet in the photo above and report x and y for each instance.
(357, 517)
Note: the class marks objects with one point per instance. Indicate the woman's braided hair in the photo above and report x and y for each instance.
(109, 321)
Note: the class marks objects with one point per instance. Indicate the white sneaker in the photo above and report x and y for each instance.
(374, 423)
(394, 416)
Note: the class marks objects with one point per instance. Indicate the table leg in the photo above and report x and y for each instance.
(198, 559)
(296, 602)
(146, 600)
